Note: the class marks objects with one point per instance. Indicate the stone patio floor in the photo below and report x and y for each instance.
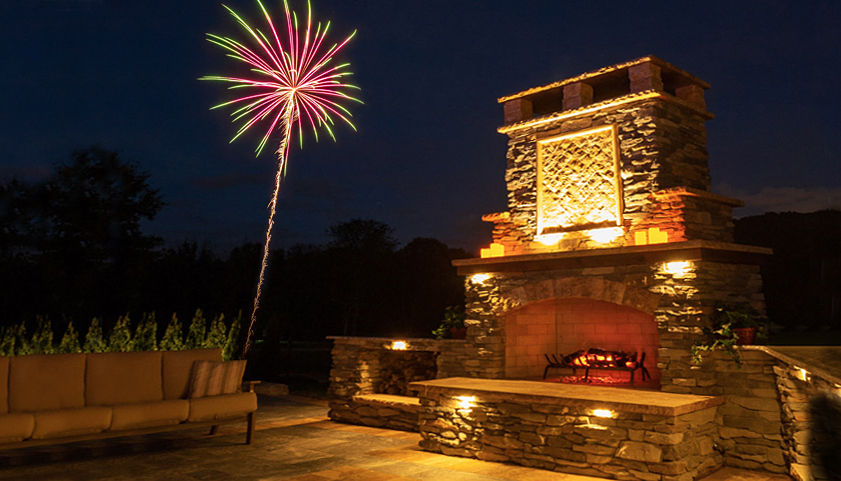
(294, 441)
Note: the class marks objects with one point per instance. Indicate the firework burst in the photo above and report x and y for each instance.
(295, 83)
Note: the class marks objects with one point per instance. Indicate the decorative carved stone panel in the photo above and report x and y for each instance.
(578, 184)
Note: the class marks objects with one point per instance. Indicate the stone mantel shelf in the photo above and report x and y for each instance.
(597, 397)
(694, 250)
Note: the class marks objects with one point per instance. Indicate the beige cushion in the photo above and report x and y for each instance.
(147, 415)
(71, 422)
(177, 369)
(222, 407)
(16, 427)
(4, 384)
(46, 381)
(123, 378)
(212, 378)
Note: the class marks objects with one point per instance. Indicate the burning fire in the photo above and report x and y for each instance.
(600, 358)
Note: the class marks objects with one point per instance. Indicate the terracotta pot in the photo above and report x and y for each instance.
(745, 335)
(458, 332)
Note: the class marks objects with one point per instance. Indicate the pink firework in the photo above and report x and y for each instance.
(295, 81)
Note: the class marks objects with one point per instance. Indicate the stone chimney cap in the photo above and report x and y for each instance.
(679, 77)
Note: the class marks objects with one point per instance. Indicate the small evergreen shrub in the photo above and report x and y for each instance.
(173, 339)
(69, 341)
(93, 339)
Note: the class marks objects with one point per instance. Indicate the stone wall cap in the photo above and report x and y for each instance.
(824, 361)
(606, 70)
(387, 399)
(595, 397)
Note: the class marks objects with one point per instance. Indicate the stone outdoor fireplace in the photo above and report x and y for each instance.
(612, 241)
(612, 238)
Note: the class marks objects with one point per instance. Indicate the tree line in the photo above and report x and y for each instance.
(71, 250)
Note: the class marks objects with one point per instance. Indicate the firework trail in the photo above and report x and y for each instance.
(295, 81)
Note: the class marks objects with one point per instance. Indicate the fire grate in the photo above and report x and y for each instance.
(598, 359)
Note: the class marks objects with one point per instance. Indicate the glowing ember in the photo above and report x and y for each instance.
(295, 80)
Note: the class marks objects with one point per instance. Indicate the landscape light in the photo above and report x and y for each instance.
(399, 345)
(603, 413)
(479, 278)
(466, 402)
(677, 268)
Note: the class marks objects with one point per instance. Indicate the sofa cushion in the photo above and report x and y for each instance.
(123, 378)
(4, 384)
(16, 427)
(177, 369)
(39, 382)
(71, 422)
(147, 415)
(212, 378)
(225, 406)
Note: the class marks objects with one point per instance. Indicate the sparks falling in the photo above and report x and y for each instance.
(295, 82)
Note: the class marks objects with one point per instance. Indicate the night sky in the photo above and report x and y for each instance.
(427, 159)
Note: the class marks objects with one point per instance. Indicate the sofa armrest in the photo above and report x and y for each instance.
(248, 386)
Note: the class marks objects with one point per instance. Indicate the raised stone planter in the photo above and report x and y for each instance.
(643, 435)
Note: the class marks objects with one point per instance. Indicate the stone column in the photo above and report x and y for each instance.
(517, 110)
(577, 95)
(645, 76)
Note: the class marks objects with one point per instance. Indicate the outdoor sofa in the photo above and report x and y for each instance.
(59, 398)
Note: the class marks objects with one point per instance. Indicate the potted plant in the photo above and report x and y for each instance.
(452, 326)
(744, 321)
(733, 326)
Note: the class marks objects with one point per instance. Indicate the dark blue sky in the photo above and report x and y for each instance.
(427, 159)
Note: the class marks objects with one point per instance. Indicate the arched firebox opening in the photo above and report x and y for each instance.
(561, 327)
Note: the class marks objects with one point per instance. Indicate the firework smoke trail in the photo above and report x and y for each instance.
(301, 84)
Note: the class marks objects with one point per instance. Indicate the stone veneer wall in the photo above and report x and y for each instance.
(359, 364)
(750, 421)
(568, 438)
(811, 417)
(681, 304)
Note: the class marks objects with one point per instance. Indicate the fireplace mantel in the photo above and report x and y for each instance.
(693, 250)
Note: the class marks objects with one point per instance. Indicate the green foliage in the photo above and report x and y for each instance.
(22, 344)
(120, 339)
(217, 333)
(14, 340)
(93, 339)
(146, 334)
(724, 337)
(69, 341)
(233, 336)
(453, 317)
(42, 339)
(173, 339)
(8, 336)
(196, 333)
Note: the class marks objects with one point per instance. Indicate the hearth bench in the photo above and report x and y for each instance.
(62, 398)
(588, 430)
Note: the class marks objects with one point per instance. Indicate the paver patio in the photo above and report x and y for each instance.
(295, 441)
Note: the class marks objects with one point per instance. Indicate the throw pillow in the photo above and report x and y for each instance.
(212, 378)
